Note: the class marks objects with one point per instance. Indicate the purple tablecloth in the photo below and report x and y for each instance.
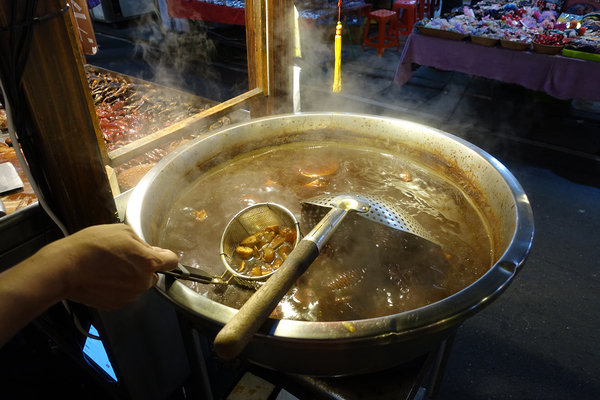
(560, 77)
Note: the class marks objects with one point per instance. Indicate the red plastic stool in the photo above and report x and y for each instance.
(385, 38)
(408, 12)
(426, 9)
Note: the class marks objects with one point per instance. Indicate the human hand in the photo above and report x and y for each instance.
(104, 266)
(107, 266)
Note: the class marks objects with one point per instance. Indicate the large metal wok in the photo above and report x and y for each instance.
(349, 347)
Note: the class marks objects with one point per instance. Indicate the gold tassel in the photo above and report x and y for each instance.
(337, 76)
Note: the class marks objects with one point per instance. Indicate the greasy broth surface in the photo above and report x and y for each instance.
(366, 270)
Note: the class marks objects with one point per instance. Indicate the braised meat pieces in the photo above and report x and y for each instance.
(262, 253)
(366, 269)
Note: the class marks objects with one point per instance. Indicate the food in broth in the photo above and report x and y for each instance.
(366, 270)
(263, 252)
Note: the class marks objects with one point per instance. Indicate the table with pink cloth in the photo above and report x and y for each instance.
(558, 76)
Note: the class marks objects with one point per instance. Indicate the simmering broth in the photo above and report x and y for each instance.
(366, 270)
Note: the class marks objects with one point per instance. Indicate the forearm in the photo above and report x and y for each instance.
(27, 290)
(104, 266)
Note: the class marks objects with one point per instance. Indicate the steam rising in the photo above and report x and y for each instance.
(181, 55)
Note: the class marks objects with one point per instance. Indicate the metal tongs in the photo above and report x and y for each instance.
(194, 274)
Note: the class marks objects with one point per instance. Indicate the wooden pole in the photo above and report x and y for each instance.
(269, 43)
(60, 136)
(62, 140)
(280, 34)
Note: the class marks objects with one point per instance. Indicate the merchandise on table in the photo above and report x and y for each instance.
(226, 3)
(522, 25)
(581, 7)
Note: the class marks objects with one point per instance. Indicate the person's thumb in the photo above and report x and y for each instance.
(168, 259)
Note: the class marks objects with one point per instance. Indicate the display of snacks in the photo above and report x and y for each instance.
(19, 198)
(485, 40)
(517, 24)
(514, 45)
(445, 34)
(555, 39)
(549, 43)
(590, 44)
(547, 49)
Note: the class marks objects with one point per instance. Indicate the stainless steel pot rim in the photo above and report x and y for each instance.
(453, 308)
(431, 317)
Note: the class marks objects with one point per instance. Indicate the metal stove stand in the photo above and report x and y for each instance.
(210, 379)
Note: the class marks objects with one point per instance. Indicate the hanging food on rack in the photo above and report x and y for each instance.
(129, 109)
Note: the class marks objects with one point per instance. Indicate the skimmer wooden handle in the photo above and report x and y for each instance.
(236, 334)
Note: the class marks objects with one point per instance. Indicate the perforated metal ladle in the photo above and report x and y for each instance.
(236, 334)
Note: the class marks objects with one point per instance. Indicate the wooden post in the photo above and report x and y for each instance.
(269, 43)
(62, 140)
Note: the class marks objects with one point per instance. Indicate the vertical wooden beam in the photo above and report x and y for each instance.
(256, 51)
(280, 36)
(269, 41)
(63, 136)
